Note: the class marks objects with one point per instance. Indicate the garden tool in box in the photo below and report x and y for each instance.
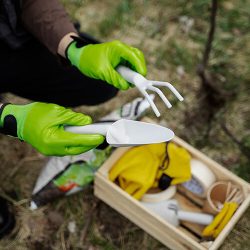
(143, 85)
(171, 212)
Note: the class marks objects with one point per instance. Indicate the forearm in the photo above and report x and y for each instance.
(64, 43)
(48, 21)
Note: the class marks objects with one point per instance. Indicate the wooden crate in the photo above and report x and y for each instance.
(183, 237)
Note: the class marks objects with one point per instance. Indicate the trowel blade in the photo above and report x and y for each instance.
(133, 133)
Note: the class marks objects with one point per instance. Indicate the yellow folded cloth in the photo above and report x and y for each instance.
(137, 170)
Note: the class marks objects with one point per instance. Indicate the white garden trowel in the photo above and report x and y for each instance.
(124, 133)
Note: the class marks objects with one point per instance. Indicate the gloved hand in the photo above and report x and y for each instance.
(42, 126)
(100, 60)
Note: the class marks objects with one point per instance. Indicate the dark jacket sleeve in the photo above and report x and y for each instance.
(47, 20)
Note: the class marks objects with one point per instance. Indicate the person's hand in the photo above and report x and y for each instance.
(100, 60)
(42, 126)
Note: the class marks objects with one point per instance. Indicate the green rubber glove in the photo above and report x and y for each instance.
(100, 60)
(42, 126)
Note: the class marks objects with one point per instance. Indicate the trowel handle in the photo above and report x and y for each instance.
(130, 76)
(96, 128)
(199, 218)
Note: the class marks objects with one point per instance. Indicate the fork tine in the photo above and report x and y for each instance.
(163, 97)
(155, 109)
(171, 87)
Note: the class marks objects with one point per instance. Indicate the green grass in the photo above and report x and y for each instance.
(117, 17)
(99, 241)
(176, 54)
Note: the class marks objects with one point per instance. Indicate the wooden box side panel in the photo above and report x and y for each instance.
(130, 208)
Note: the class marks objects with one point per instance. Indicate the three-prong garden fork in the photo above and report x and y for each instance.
(143, 85)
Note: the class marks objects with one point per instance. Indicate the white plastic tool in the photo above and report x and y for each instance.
(143, 85)
(171, 212)
(124, 133)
